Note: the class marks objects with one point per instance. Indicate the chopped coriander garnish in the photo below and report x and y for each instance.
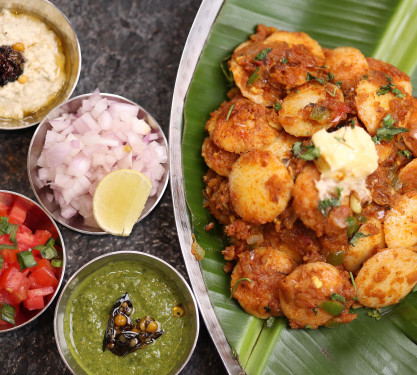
(352, 123)
(333, 94)
(354, 240)
(365, 77)
(262, 55)
(8, 313)
(230, 111)
(406, 153)
(325, 204)
(354, 286)
(284, 60)
(315, 311)
(388, 120)
(26, 259)
(338, 83)
(237, 283)
(253, 77)
(390, 87)
(305, 152)
(277, 106)
(337, 297)
(330, 76)
(310, 77)
(353, 224)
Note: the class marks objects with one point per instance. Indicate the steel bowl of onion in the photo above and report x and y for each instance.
(32, 260)
(86, 139)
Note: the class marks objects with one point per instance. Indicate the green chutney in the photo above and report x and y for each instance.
(87, 312)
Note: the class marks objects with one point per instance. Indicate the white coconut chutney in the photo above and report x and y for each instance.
(43, 74)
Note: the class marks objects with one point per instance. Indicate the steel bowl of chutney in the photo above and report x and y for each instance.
(126, 312)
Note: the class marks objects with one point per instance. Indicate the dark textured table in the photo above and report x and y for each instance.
(131, 48)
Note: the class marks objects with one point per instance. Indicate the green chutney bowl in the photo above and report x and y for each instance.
(156, 289)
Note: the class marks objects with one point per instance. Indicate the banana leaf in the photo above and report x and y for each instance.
(384, 29)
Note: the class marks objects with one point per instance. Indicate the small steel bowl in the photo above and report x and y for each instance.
(58, 22)
(188, 301)
(36, 218)
(35, 148)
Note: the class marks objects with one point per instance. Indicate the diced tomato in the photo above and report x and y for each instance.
(17, 214)
(9, 255)
(42, 236)
(16, 283)
(25, 238)
(21, 292)
(5, 240)
(33, 284)
(35, 303)
(43, 277)
(40, 292)
(42, 263)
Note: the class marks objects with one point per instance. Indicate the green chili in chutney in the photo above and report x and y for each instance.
(87, 313)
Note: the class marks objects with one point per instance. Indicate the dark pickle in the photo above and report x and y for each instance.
(122, 337)
(11, 64)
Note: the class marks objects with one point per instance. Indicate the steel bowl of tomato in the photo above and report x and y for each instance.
(32, 260)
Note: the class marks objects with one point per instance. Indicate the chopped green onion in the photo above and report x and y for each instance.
(305, 152)
(277, 106)
(57, 263)
(334, 308)
(6, 247)
(48, 250)
(1, 261)
(8, 313)
(4, 225)
(354, 285)
(338, 297)
(13, 233)
(254, 77)
(26, 259)
(237, 283)
(230, 111)
(263, 54)
(284, 60)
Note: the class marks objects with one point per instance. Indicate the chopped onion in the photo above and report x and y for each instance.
(81, 148)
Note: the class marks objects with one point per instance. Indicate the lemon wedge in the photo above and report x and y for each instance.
(119, 200)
